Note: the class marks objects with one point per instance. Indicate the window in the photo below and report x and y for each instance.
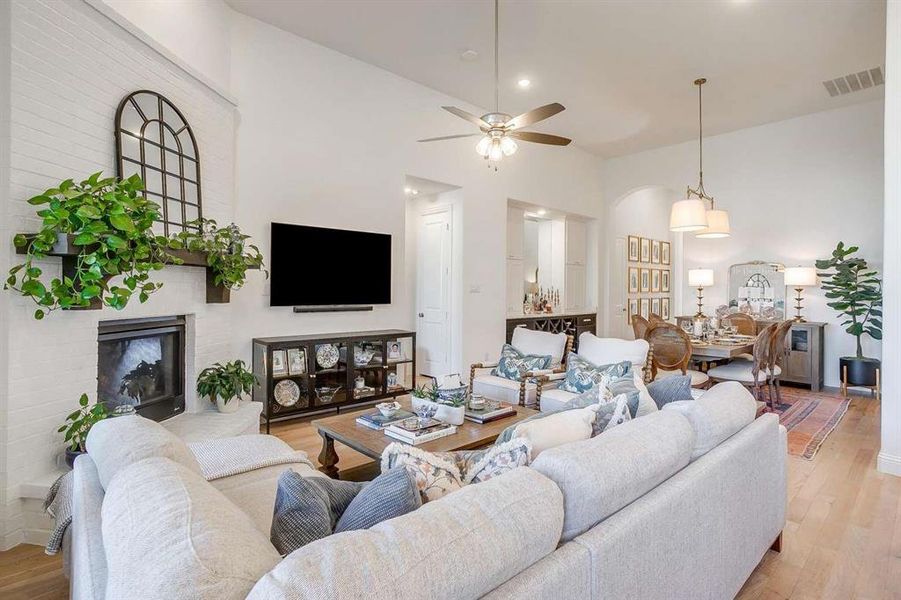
(154, 141)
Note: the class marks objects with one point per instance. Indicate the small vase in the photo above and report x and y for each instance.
(228, 407)
(452, 415)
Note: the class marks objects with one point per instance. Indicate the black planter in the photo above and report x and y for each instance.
(861, 371)
(71, 455)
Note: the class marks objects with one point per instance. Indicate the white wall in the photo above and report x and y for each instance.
(327, 140)
(793, 189)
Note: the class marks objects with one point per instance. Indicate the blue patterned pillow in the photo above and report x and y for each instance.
(670, 389)
(513, 364)
(582, 374)
(626, 385)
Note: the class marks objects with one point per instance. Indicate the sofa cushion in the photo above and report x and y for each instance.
(461, 546)
(307, 509)
(670, 389)
(603, 351)
(514, 364)
(719, 413)
(119, 442)
(168, 533)
(603, 474)
(503, 390)
(532, 341)
(557, 428)
(582, 374)
(555, 399)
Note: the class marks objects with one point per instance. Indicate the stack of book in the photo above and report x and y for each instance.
(488, 414)
(375, 420)
(432, 430)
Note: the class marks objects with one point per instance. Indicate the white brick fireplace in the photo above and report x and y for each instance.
(67, 67)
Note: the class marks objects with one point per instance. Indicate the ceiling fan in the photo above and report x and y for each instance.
(498, 129)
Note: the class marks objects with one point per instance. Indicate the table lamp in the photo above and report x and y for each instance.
(800, 278)
(700, 278)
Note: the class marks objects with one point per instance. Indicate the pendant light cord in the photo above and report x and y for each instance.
(700, 140)
(496, 91)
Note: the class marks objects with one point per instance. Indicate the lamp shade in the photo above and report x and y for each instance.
(688, 215)
(717, 225)
(800, 276)
(700, 277)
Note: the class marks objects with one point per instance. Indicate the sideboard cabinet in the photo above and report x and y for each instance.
(804, 357)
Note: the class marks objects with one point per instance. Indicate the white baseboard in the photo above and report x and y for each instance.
(887, 463)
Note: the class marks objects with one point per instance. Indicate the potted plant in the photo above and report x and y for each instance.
(856, 292)
(225, 384)
(228, 253)
(450, 403)
(77, 426)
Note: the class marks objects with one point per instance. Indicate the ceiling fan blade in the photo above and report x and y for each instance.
(468, 116)
(533, 116)
(450, 137)
(540, 138)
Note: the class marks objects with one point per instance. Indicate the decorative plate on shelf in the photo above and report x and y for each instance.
(327, 356)
(286, 392)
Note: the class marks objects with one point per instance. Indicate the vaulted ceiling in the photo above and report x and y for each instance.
(623, 69)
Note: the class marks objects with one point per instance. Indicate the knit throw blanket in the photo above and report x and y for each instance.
(218, 458)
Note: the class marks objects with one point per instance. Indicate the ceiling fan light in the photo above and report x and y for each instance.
(483, 146)
(688, 215)
(717, 225)
(495, 153)
(508, 146)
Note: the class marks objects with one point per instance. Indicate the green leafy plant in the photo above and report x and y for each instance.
(228, 253)
(426, 392)
(110, 222)
(228, 381)
(79, 422)
(855, 291)
(142, 381)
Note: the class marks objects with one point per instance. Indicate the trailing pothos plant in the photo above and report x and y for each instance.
(228, 253)
(110, 222)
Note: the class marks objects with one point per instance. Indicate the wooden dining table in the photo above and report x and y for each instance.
(702, 351)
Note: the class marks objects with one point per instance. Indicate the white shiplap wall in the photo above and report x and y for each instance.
(69, 66)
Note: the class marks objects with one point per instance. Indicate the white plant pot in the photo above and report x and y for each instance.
(452, 415)
(228, 407)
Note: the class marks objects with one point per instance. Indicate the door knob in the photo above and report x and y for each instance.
(421, 315)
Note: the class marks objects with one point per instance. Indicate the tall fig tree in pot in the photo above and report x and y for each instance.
(855, 291)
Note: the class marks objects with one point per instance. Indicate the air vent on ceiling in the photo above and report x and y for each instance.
(854, 82)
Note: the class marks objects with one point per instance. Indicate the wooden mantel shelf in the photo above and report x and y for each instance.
(64, 248)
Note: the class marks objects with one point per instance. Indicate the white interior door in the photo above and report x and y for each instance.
(433, 292)
(619, 318)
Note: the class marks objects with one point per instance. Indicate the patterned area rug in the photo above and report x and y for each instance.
(809, 418)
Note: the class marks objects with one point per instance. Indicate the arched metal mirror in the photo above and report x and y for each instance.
(757, 288)
(154, 141)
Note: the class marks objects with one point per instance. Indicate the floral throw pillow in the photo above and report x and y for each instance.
(611, 413)
(582, 374)
(440, 473)
(513, 364)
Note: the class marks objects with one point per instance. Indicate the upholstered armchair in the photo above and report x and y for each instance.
(523, 391)
(600, 351)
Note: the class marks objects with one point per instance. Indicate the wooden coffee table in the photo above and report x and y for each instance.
(370, 442)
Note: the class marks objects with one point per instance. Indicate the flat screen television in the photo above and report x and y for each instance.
(316, 266)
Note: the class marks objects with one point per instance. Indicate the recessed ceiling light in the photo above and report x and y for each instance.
(524, 83)
(469, 55)
(541, 212)
(531, 215)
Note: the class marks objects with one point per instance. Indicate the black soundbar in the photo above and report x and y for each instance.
(332, 308)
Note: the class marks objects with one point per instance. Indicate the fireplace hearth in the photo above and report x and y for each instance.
(141, 363)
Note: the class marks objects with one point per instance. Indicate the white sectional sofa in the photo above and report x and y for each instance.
(681, 503)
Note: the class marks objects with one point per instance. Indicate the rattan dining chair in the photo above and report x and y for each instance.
(639, 326)
(751, 373)
(744, 324)
(671, 353)
(655, 318)
(779, 350)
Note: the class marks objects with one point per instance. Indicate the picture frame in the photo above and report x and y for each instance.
(633, 308)
(632, 243)
(633, 280)
(655, 252)
(645, 250)
(665, 253)
(664, 281)
(279, 363)
(655, 307)
(644, 307)
(395, 350)
(664, 309)
(655, 280)
(644, 280)
(297, 361)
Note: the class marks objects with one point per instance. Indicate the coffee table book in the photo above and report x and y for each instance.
(484, 415)
(376, 420)
(432, 431)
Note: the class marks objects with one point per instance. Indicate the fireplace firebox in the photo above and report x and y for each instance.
(141, 363)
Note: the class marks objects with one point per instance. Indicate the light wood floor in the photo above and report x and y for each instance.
(842, 539)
